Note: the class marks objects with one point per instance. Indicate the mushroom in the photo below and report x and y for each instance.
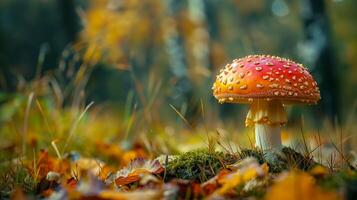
(267, 83)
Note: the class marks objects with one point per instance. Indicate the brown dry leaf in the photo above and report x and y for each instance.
(45, 163)
(18, 194)
(212, 184)
(186, 189)
(47, 193)
(136, 170)
(71, 183)
(131, 178)
(299, 185)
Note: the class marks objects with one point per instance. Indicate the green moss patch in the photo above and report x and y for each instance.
(198, 165)
(201, 165)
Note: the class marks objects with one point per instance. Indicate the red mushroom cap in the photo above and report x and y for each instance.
(264, 77)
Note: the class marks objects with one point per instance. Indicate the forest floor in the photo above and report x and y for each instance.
(196, 174)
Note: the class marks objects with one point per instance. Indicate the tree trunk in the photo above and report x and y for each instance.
(176, 52)
(70, 19)
(317, 52)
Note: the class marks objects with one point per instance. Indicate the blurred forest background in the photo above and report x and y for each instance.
(149, 54)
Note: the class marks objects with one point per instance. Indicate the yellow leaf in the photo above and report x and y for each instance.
(319, 171)
(299, 185)
(242, 175)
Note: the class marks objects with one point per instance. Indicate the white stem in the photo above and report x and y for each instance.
(267, 117)
(267, 137)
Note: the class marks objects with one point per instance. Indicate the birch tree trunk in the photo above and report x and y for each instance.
(176, 53)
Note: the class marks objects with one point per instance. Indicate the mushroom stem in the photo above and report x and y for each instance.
(267, 137)
(267, 117)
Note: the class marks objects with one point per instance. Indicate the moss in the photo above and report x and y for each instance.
(278, 161)
(201, 165)
(288, 158)
(256, 153)
(297, 160)
(198, 165)
(275, 161)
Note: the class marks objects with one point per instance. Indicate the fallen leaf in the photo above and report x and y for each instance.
(298, 185)
(248, 169)
(140, 195)
(319, 171)
(136, 169)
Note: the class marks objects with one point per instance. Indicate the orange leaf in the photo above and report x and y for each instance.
(127, 180)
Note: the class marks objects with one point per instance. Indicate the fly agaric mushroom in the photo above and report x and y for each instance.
(267, 83)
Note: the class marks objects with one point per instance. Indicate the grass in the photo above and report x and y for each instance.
(16, 176)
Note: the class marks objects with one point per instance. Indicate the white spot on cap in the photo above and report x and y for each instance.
(241, 75)
(260, 85)
(274, 85)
